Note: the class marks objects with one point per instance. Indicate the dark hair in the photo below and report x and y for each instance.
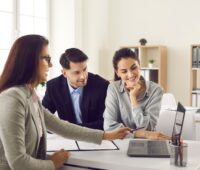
(72, 55)
(22, 63)
(120, 54)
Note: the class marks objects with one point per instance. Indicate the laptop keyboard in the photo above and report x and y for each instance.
(159, 147)
(148, 148)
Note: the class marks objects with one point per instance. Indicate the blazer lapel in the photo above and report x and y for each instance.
(32, 111)
(33, 115)
(42, 118)
(44, 141)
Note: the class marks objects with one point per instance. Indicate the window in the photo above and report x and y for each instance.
(6, 29)
(21, 17)
(33, 17)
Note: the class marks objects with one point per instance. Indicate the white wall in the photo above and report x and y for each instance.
(94, 32)
(80, 24)
(62, 31)
(99, 27)
(109, 24)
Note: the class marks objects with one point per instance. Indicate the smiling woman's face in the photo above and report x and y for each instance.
(44, 65)
(128, 70)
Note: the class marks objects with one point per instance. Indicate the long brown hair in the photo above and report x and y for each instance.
(22, 63)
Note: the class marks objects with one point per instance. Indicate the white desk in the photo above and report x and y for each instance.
(118, 160)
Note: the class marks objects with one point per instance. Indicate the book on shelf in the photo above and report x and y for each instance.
(195, 99)
(196, 90)
(196, 57)
(145, 74)
(150, 74)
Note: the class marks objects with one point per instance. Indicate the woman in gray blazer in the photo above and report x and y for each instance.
(131, 101)
(24, 121)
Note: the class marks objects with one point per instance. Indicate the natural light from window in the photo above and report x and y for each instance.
(21, 17)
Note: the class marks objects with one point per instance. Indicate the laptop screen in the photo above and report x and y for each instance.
(158, 148)
(178, 123)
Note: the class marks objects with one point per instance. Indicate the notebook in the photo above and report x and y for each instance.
(157, 148)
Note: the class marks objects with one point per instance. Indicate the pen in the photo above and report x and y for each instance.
(133, 130)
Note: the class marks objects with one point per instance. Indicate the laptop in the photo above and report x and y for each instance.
(158, 148)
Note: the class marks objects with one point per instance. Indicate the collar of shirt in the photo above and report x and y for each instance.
(72, 90)
(123, 89)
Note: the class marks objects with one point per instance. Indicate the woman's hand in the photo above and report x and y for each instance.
(59, 158)
(116, 134)
(157, 135)
(151, 135)
(135, 91)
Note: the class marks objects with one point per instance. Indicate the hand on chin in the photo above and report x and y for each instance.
(130, 85)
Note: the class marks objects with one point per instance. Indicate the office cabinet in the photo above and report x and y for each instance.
(195, 76)
(153, 62)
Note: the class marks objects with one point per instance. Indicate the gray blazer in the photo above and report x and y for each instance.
(21, 148)
(119, 111)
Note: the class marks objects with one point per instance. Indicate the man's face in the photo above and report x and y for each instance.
(77, 74)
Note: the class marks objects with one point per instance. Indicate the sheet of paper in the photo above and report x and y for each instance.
(55, 142)
(105, 145)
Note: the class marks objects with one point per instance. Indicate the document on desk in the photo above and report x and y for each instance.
(105, 145)
(55, 142)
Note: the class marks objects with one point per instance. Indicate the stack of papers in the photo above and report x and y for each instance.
(55, 142)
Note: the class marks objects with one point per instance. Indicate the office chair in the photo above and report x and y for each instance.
(167, 114)
(168, 101)
(189, 127)
(166, 122)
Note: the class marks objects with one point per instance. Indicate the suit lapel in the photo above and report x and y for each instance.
(85, 103)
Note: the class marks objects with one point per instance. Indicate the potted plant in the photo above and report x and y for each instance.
(151, 62)
(143, 41)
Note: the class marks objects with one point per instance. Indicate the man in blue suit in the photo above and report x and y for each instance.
(76, 95)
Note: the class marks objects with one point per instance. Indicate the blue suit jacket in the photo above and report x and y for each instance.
(57, 98)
